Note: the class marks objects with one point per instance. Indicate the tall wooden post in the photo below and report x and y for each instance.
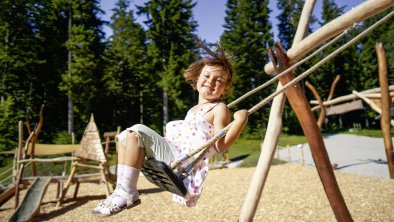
(311, 130)
(386, 106)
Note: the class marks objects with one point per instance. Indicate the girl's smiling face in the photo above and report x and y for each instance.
(211, 83)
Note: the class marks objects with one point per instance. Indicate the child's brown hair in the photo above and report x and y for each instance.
(223, 60)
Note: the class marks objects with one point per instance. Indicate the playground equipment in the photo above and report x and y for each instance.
(28, 151)
(300, 48)
(90, 148)
(30, 205)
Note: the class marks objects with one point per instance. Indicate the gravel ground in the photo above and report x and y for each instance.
(293, 192)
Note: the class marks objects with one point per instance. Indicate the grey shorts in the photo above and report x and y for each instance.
(155, 145)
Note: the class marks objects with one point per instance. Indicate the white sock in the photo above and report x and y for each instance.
(119, 173)
(125, 183)
(130, 178)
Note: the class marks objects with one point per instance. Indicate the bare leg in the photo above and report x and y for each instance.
(133, 155)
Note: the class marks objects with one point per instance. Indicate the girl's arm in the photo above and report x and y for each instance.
(221, 120)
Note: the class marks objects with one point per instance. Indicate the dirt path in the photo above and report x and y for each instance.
(292, 193)
(361, 155)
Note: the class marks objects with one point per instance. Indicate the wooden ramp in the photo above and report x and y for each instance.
(7, 194)
(30, 205)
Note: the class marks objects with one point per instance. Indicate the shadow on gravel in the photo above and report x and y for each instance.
(77, 202)
(238, 158)
(378, 161)
(150, 191)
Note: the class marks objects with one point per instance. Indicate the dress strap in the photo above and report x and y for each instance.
(208, 108)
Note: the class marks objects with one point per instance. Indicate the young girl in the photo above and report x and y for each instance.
(211, 77)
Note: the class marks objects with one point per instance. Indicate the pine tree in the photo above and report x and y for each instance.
(171, 49)
(125, 78)
(323, 77)
(81, 80)
(51, 24)
(247, 35)
(19, 62)
(383, 33)
(289, 17)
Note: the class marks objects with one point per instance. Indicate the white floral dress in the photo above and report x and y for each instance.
(188, 134)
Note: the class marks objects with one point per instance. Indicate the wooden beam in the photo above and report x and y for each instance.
(358, 14)
(272, 134)
(346, 98)
(367, 101)
(311, 131)
(370, 103)
(322, 114)
(386, 106)
(333, 86)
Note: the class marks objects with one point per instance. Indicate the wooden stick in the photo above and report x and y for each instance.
(322, 114)
(368, 101)
(270, 143)
(386, 105)
(333, 86)
(304, 114)
(348, 97)
(358, 14)
(376, 95)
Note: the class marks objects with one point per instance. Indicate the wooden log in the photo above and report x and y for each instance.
(51, 160)
(386, 106)
(66, 186)
(322, 114)
(358, 14)
(7, 194)
(368, 101)
(333, 86)
(272, 134)
(346, 98)
(80, 178)
(376, 95)
(311, 131)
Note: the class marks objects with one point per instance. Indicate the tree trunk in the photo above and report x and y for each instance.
(165, 110)
(70, 104)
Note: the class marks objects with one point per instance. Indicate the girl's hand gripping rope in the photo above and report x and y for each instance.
(233, 132)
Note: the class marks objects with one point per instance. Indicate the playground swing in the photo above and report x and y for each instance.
(170, 179)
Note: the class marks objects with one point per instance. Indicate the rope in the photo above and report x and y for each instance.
(320, 63)
(223, 132)
(291, 68)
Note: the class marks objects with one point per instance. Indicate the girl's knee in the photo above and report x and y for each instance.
(131, 136)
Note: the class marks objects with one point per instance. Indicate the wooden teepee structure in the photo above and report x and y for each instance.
(91, 149)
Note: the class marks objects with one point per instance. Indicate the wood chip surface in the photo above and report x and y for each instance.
(292, 193)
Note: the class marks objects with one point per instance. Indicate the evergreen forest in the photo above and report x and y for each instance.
(56, 53)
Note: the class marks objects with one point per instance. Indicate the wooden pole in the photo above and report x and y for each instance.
(358, 14)
(370, 103)
(386, 106)
(272, 134)
(333, 86)
(302, 109)
(371, 93)
(322, 114)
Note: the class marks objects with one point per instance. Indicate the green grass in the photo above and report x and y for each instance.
(252, 147)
